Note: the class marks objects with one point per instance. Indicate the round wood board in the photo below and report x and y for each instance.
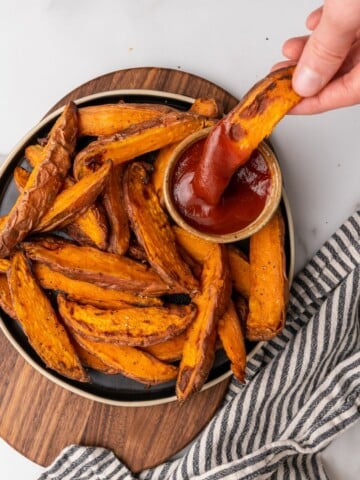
(39, 418)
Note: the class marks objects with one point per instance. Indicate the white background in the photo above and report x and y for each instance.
(48, 47)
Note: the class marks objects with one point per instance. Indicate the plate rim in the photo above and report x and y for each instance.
(47, 372)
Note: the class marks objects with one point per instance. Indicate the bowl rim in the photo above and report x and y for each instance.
(272, 201)
(48, 373)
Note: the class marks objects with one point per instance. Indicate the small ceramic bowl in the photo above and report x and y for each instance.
(271, 204)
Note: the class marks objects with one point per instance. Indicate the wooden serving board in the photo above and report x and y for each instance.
(39, 418)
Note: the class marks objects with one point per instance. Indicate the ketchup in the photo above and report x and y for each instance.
(220, 158)
(241, 203)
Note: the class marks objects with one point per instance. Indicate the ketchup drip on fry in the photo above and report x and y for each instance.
(218, 162)
(241, 203)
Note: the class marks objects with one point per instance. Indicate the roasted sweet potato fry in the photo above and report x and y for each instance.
(114, 203)
(92, 265)
(5, 297)
(34, 154)
(153, 230)
(268, 282)
(130, 362)
(129, 326)
(40, 323)
(170, 350)
(242, 309)
(4, 265)
(99, 120)
(21, 176)
(89, 360)
(241, 131)
(240, 271)
(45, 181)
(232, 338)
(134, 141)
(198, 248)
(74, 200)
(212, 302)
(89, 293)
(88, 228)
(136, 251)
(208, 107)
(160, 164)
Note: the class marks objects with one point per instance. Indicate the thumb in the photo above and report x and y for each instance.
(327, 47)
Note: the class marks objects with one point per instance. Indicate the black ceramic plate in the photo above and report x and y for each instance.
(112, 389)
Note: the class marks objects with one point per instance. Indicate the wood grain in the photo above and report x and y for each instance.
(39, 418)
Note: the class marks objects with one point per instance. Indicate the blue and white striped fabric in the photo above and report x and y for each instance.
(303, 389)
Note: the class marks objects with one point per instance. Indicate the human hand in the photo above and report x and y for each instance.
(328, 60)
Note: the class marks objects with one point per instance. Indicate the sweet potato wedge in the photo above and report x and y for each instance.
(89, 227)
(40, 323)
(268, 282)
(43, 185)
(160, 164)
(99, 120)
(21, 176)
(4, 265)
(153, 230)
(89, 360)
(230, 332)
(34, 154)
(242, 130)
(114, 203)
(198, 248)
(89, 293)
(129, 326)
(211, 302)
(137, 140)
(5, 297)
(170, 350)
(74, 200)
(207, 107)
(92, 265)
(240, 271)
(130, 362)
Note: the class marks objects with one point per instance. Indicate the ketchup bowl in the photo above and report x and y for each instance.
(248, 203)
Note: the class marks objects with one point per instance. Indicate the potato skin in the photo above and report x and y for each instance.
(41, 325)
(43, 185)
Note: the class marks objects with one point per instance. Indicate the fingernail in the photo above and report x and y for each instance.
(306, 82)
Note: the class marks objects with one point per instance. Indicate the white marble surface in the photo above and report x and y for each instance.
(48, 47)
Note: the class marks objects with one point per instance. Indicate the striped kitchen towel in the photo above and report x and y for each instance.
(303, 389)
